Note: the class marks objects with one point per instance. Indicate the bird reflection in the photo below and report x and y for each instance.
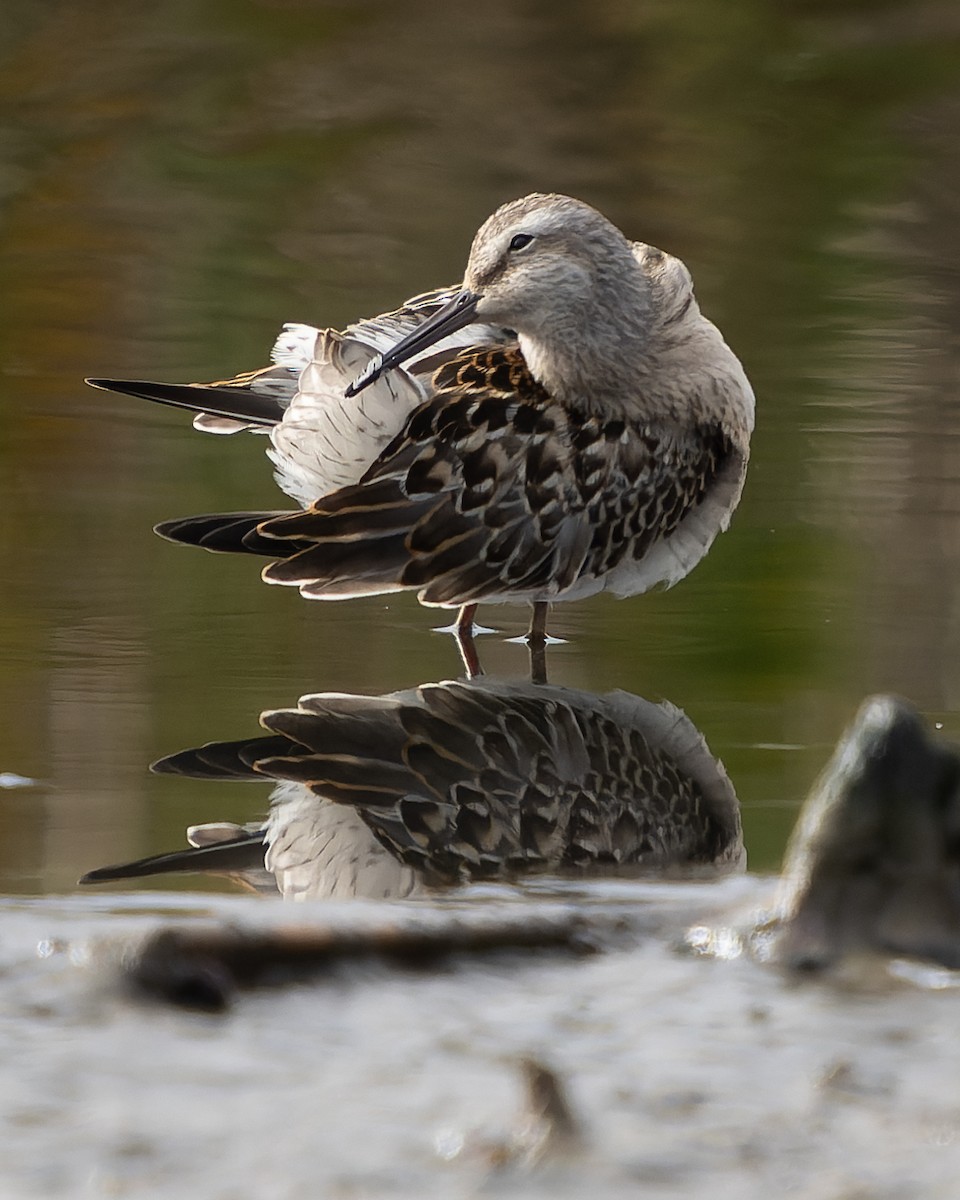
(460, 782)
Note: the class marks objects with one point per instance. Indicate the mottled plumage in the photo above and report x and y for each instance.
(603, 449)
(459, 782)
(495, 491)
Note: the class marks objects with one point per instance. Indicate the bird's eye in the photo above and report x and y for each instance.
(520, 240)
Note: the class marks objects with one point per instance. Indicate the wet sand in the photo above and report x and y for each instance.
(688, 1073)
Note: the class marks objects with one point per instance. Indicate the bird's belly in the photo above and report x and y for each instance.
(662, 566)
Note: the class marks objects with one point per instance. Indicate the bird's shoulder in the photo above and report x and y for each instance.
(482, 386)
(488, 411)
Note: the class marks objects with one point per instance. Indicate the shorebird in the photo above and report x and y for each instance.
(451, 783)
(595, 439)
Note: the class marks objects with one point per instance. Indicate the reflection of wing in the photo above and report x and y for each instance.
(456, 782)
(217, 848)
(320, 440)
(473, 781)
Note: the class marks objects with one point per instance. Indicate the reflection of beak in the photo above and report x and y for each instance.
(460, 311)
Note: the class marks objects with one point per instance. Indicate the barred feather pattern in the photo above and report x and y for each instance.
(483, 780)
(496, 786)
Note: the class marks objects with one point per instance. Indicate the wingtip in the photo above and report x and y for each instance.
(100, 875)
(123, 387)
(167, 529)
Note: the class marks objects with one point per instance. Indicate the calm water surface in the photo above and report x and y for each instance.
(177, 180)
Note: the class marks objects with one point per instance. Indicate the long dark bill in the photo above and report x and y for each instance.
(459, 311)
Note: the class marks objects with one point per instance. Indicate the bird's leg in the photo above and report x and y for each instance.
(463, 632)
(538, 662)
(538, 623)
(464, 625)
(537, 642)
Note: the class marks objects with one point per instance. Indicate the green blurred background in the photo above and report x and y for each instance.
(177, 179)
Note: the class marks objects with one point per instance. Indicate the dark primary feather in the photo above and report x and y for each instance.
(233, 398)
(222, 760)
(234, 856)
(223, 533)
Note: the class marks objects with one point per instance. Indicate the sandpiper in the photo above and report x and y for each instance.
(450, 783)
(600, 444)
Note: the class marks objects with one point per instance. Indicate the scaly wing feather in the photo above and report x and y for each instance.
(494, 490)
